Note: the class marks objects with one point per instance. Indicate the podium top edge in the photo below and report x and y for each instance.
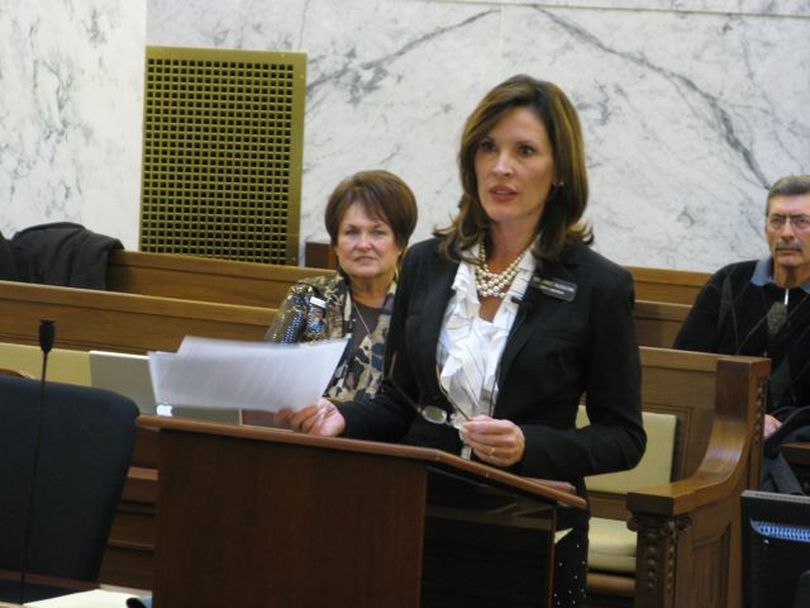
(557, 491)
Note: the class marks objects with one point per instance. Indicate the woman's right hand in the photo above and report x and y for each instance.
(323, 418)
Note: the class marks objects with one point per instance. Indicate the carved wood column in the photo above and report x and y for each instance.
(657, 550)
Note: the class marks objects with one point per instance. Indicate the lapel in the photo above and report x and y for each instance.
(439, 290)
(535, 302)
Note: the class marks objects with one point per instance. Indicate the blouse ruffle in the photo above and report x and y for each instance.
(470, 348)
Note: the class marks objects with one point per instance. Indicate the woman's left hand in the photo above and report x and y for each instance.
(495, 441)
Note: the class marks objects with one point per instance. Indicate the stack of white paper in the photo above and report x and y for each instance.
(244, 375)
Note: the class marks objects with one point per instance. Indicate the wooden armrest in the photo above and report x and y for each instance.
(736, 431)
(688, 529)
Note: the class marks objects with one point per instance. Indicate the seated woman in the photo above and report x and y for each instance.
(370, 216)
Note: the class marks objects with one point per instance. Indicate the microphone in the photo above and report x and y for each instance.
(47, 334)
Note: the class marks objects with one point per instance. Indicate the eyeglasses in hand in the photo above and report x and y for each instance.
(431, 413)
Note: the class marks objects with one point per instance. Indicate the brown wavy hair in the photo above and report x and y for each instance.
(561, 222)
(382, 194)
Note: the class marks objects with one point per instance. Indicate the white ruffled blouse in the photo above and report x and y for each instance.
(470, 348)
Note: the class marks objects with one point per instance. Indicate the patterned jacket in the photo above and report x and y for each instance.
(319, 308)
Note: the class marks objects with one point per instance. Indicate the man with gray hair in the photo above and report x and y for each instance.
(762, 307)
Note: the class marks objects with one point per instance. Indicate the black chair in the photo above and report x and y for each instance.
(86, 441)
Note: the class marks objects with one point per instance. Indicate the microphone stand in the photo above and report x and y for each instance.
(46, 338)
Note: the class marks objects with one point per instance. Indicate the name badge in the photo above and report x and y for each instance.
(556, 288)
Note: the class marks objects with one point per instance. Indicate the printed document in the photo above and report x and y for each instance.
(205, 372)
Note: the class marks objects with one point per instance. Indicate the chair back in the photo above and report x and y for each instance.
(86, 441)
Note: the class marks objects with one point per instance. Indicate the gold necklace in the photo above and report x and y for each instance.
(494, 284)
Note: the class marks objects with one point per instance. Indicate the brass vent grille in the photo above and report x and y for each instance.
(222, 155)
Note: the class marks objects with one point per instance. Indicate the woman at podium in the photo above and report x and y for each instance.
(506, 318)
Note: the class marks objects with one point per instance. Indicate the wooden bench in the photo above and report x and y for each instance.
(663, 296)
(664, 285)
(653, 284)
(663, 299)
(129, 322)
(266, 285)
(87, 319)
(251, 284)
(658, 323)
(204, 279)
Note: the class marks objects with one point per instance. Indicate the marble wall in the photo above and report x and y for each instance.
(71, 76)
(754, 7)
(689, 113)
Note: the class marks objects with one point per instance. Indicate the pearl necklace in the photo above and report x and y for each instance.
(494, 284)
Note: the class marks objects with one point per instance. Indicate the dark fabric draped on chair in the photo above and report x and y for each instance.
(62, 253)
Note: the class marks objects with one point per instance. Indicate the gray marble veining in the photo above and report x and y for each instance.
(690, 108)
(688, 113)
(791, 8)
(70, 114)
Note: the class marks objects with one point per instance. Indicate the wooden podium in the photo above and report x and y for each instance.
(248, 516)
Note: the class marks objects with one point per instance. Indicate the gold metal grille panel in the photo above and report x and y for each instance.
(222, 153)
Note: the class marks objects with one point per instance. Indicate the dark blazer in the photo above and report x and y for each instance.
(557, 350)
